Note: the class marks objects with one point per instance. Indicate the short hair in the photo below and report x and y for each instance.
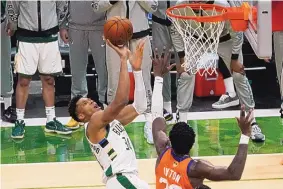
(182, 138)
(72, 109)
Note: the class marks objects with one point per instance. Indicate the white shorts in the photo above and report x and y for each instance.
(126, 181)
(45, 57)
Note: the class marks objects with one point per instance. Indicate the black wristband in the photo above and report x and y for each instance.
(181, 54)
(113, 2)
(235, 56)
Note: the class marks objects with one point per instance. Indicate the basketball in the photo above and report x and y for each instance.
(118, 30)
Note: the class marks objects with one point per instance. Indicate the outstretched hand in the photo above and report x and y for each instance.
(136, 57)
(245, 121)
(122, 51)
(161, 64)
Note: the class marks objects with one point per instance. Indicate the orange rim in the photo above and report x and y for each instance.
(226, 13)
(217, 18)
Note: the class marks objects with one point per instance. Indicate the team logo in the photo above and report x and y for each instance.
(175, 164)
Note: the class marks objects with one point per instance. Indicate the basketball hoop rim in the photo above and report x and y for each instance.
(227, 13)
(217, 18)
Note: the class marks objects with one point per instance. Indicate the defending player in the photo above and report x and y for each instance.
(108, 139)
(174, 166)
(230, 50)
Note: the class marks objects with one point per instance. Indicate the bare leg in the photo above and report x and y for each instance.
(22, 91)
(48, 91)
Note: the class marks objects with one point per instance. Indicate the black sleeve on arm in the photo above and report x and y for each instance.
(235, 56)
(181, 54)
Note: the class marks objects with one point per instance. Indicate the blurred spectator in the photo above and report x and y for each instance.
(83, 30)
(136, 12)
(161, 38)
(37, 24)
(9, 113)
(278, 51)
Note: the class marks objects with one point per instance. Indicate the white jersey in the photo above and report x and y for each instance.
(115, 153)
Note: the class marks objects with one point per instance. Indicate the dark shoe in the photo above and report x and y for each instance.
(167, 116)
(9, 115)
(19, 130)
(281, 113)
(56, 126)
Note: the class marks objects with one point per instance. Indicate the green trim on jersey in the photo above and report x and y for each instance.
(56, 74)
(125, 182)
(3, 7)
(109, 172)
(48, 39)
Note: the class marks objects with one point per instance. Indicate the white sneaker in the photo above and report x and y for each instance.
(148, 132)
(257, 135)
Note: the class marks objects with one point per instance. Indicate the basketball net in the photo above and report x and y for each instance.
(200, 39)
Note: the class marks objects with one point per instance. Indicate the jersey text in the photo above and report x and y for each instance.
(118, 129)
(172, 174)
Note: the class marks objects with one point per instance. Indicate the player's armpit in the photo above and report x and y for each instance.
(160, 138)
(127, 115)
(103, 118)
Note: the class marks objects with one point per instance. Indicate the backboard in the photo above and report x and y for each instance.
(259, 32)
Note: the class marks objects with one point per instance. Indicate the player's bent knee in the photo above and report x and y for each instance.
(238, 77)
(47, 79)
(24, 81)
(185, 77)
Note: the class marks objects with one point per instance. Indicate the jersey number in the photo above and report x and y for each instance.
(172, 186)
(127, 142)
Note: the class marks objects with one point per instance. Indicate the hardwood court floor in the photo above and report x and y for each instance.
(42, 160)
(260, 171)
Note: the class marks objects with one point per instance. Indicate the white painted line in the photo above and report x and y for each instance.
(191, 116)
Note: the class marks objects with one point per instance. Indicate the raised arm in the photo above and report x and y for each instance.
(103, 118)
(130, 112)
(202, 169)
(149, 5)
(160, 68)
(102, 5)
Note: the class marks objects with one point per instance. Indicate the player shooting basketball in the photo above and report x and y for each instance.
(230, 50)
(175, 168)
(105, 131)
(136, 12)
